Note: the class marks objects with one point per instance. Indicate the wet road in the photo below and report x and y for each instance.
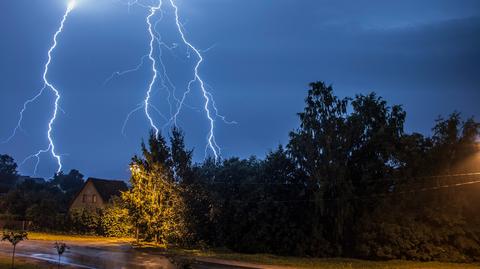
(90, 255)
(101, 256)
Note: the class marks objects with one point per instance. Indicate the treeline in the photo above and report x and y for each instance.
(350, 182)
(43, 204)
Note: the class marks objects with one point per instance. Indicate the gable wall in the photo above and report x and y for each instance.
(89, 190)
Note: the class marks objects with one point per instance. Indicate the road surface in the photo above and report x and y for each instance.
(95, 255)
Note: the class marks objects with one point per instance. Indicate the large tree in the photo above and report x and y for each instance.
(154, 199)
(8, 173)
(320, 150)
(70, 183)
(345, 148)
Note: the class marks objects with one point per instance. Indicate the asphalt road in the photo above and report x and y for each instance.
(90, 255)
(101, 256)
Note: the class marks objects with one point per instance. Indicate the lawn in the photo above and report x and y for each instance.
(311, 263)
(77, 238)
(5, 263)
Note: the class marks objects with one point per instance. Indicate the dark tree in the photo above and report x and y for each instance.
(8, 173)
(181, 157)
(320, 150)
(70, 183)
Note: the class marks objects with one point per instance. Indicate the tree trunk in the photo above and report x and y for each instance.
(137, 232)
(59, 257)
(13, 256)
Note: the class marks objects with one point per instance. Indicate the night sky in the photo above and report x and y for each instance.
(259, 58)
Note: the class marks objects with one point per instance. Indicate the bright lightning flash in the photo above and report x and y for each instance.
(47, 85)
(212, 143)
(72, 5)
(153, 11)
(209, 103)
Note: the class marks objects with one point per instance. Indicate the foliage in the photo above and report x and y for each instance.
(14, 238)
(350, 182)
(41, 203)
(154, 200)
(115, 220)
(84, 221)
(330, 191)
(8, 173)
(70, 183)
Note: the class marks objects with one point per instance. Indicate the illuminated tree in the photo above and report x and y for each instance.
(155, 200)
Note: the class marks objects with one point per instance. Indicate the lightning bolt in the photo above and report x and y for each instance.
(121, 73)
(47, 85)
(209, 105)
(153, 12)
(212, 143)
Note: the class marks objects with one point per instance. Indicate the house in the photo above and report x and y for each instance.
(96, 193)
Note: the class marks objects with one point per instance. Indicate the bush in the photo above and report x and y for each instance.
(116, 221)
(86, 221)
(111, 221)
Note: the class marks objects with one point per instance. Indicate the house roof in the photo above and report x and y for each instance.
(108, 188)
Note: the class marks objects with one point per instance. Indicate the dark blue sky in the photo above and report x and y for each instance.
(422, 54)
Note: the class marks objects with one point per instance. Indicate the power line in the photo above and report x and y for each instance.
(398, 179)
(385, 195)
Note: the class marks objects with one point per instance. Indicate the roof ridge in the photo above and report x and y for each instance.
(102, 179)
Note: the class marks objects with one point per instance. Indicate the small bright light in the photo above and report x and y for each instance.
(72, 4)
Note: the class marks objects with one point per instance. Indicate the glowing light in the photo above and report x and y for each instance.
(71, 5)
(47, 85)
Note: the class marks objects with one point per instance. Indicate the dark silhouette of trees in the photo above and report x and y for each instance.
(70, 183)
(8, 173)
(43, 203)
(350, 182)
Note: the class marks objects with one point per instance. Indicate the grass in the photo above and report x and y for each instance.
(264, 259)
(5, 263)
(76, 238)
(311, 263)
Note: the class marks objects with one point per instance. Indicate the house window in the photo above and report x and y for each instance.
(84, 199)
(94, 198)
